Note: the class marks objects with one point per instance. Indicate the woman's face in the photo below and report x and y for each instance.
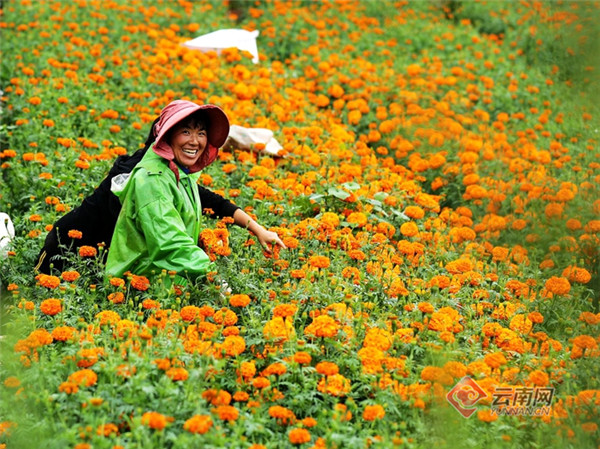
(188, 141)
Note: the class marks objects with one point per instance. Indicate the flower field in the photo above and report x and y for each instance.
(438, 194)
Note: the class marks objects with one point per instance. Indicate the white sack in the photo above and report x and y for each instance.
(221, 39)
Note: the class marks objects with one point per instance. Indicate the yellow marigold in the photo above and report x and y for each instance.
(357, 218)
(199, 424)
(409, 229)
(521, 323)
(459, 266)
(558, 285)
(48, 281)
(232, 346)
(538, 378)
(12, 382)
(322, 326)
(455, 369)
(279, 329)
(495, 360)
(108, 317)
(227, 412)
(299, 436)
(51, 306)
(373, 412)
(378, 338)
(155, 420)
(335, 385)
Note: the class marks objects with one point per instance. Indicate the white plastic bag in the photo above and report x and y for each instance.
(244, 138)
(222, 39)
(7, 233)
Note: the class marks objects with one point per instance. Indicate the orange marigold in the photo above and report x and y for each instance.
(87, 251)
(177, 374)
(299, 436)
(199, 424)
(51, 306)
(227, 412)
(239, 300)
(373, 412)
(48, 281)
(155, 420)
(558, 285)
(140, 283)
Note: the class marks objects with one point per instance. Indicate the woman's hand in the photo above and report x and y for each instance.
(266, 237)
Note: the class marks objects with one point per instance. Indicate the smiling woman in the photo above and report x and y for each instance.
(159, 224)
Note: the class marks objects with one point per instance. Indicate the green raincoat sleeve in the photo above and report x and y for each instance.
(158, 227)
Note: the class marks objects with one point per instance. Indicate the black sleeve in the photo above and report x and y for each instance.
(219, 205)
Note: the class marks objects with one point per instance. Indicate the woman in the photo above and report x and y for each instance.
(159, 224)
(175, 169)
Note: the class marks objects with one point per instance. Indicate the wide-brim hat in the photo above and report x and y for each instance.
(217, 124)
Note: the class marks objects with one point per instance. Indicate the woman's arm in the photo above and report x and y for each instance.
(264, 236)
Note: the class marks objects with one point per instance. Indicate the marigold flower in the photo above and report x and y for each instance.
(495, 360)
(302, 358)
(177, 374)
(199, 424)
(282, 414)
(577, 274)
(63, 333)
(225, 317)
(373, 412)
(322, 326)
(319, 261)
(140, 283)
(107, 430)
(87, 251)
(75, 234)
(116, 298)
(227, 412)
(299, 436)
(155, 420)
(48, 281)
(51, 306)
(558, 286)
(538, 378)
(70, 276)
(327, 368)
(239, 300)
(84, 378)
(285, 310)
(335, 385)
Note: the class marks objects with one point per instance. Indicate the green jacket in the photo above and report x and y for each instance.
(159, 224)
